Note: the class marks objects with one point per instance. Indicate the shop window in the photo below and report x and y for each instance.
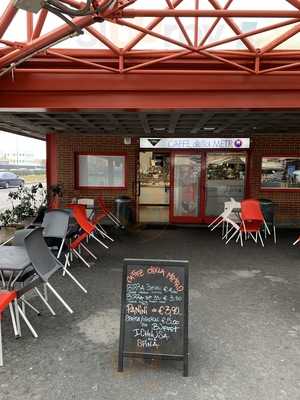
(101, 170)
(280, 173)
(225, 179)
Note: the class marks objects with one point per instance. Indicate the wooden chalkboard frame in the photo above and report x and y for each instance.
(163, 263)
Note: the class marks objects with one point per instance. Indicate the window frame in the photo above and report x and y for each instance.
(103, 154)
(277, 189)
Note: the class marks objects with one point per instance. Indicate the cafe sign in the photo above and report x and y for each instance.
(195, 143)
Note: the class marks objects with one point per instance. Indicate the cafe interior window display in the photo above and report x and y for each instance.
(100, 170)
(225, 179)
(280, 173)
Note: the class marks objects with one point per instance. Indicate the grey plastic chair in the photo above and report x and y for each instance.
(55, 224)
(45, 263)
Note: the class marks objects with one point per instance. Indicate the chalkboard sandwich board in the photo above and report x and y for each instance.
(154, 310)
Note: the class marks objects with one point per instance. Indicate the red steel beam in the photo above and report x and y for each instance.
(281, 68)
(80, 61)
(196, 28)
(250, 33)
(39, 24)
(132, 13)
(103, 39)
(29, 21)
(295, 3)
(214, 24)
(280, 39)
(150, 26)
(180, 24)
(157, 99)
(44, 41)
(7, 17)
(233, 25)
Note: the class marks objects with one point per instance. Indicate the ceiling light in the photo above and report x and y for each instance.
(209, 128)
(159, 129)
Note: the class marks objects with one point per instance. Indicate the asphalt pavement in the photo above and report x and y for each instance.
(244, 330)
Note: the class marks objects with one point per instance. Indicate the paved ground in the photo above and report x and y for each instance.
(244, 327)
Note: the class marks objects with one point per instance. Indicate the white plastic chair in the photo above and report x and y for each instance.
(236, 230)
(227, 216)
(89, 203)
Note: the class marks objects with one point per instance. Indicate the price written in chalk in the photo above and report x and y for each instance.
(154, 309)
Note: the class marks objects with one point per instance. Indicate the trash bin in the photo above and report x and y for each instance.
(124, 210)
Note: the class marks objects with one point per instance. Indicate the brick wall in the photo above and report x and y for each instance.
(288, 203)
(68, 145)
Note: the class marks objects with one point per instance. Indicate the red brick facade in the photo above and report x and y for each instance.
(68, 145)
(288, 202)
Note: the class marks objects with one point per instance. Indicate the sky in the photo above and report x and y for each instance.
(15, 143)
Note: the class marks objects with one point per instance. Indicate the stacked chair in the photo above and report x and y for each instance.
(229, 218)
(46, 248)
(244, 220)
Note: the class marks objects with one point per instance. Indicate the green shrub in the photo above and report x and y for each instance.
(25, 203)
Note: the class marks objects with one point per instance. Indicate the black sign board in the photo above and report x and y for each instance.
(154, 310)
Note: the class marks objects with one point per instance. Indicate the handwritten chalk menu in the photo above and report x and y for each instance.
(154, 310)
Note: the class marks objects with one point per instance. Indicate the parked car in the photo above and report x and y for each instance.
(8, 179)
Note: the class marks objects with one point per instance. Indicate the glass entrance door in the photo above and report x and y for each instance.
(154, 183)
(185, 190)
(225, 178)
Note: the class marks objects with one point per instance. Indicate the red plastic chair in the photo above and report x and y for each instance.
(75, 247)
(96, 220)
(107, 212)
(79, 214)
(6, 299)
(54, 202)
(252, 219)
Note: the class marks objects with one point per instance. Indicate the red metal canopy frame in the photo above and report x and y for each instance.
(193, 55)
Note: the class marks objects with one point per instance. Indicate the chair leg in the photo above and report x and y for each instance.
(260, 238)
(99, 241)
(114, 219)
(241, 237)
(274, 234)
(67, 263)
(45, 302)
(17, 318)
(31, 306)
(227, 232)
(213, 222)
(59, 298)
(60, 248)
(45, 292)
(81, 258)
(76, 281)
(267, 228)
(104, 234)
(1, 351)
(30, 327)
(89, 251)
(13, 320)
(215, 226)
(232, 236)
